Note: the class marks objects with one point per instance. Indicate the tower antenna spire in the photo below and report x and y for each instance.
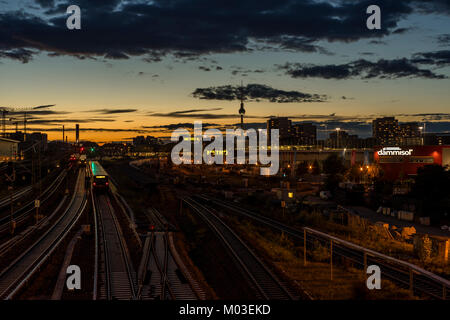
(241, 109)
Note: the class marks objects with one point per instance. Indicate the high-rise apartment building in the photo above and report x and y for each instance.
(386, 131)
(305, 134)
(283, 124)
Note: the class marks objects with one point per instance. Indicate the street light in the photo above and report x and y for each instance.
(421, 134)
(337, 138)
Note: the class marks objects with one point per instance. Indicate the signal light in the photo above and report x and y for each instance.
(94, 184)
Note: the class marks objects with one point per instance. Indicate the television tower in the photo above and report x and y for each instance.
(242, 110)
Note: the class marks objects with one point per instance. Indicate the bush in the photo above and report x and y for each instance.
(319, 252)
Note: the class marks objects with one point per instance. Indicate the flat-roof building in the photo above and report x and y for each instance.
(403, 162)
(9, 149)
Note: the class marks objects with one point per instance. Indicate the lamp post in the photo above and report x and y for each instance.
(338, 130)
(421, 135)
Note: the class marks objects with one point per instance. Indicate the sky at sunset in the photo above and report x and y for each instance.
(148, 67)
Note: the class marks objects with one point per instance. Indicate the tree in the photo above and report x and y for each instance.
(302, 168)
(334, 168)
(432, 190)
(332, 181)
(316, 167)
(333, 164)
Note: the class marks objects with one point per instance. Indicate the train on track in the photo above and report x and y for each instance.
(99, 177)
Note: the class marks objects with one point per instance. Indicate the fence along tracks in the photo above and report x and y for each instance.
(116, 270)
(402, 273)
(265, 282)
(19, 272)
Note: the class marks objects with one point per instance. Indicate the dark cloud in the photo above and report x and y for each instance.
(116, 55)
(181, 112)
(174, 126)
(38, 112)
(432, 6)
(197, 114)
(57, 129)
(290, 43)
(187, 29)
(367, 53)
(383, 69)
(243, 72)
(19, 54)
(378, 42)
(444, 40)
(428, 116)
(438, 58)
(113, 111)
(45, 3)
(401, 30)
(255, 92)
(331, 117)
(44, 106)
(56, 121)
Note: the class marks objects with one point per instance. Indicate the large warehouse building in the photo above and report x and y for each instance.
(403, 162)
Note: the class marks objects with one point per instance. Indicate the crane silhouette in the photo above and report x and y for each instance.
(19, 110)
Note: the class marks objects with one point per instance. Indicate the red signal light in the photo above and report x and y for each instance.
(107, 183)
(94, 184)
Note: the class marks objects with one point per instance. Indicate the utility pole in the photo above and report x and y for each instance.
(40, 170)
(4, 112)
(25, 126)
(304, 247)
(11, 177)
(331, 260)
(37, 202)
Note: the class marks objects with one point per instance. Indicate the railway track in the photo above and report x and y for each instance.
(5, 201)
(14, 277)
(21, 214)
(18, 194)
(162, 275)
(264, 282)
(116, 272)
(158, 221)
(404, 274)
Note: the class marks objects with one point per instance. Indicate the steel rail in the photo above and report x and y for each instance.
(423, 280)
(26, 265)
(265, 281)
